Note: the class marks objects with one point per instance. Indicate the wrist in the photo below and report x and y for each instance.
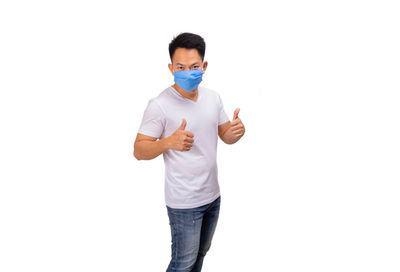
(165, 144)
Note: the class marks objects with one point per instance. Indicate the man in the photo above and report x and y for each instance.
(183, 123)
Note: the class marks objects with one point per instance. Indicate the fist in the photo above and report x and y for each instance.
(237, 127)
(181, 140)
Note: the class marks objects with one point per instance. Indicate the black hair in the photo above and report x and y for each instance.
(189, 41)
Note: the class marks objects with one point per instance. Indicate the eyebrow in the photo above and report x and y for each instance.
(190, 65)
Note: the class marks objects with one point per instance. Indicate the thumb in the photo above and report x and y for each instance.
(183, 125)
(236, 113)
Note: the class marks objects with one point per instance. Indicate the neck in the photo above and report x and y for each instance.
(190, 95)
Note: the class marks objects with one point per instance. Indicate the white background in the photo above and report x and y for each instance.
(312, 186)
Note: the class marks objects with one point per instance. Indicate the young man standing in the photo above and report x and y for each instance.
(183, 123)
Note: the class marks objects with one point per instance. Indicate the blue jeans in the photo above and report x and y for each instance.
(192, 231)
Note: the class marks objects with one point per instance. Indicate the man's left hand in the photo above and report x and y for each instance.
(237, 128)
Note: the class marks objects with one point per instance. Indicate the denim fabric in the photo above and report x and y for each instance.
(192, 231)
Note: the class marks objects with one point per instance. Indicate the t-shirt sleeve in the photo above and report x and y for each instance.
(153, 120)
(223, 117)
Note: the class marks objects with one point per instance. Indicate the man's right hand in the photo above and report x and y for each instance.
(181, 139)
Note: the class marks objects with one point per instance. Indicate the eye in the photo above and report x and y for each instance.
(196, 67)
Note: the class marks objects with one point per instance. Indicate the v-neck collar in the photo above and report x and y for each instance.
(178, 94)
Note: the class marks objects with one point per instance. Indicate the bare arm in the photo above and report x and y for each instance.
(147, 147)
(230, 132)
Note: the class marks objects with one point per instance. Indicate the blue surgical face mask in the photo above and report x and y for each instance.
(188, 79)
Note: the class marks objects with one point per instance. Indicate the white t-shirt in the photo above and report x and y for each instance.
(191, 177)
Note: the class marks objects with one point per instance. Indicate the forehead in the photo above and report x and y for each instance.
(186, 56)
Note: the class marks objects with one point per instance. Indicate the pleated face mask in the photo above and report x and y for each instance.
(188, 79)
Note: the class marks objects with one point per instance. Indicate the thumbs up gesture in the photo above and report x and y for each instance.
(237, 127)
(181, 139)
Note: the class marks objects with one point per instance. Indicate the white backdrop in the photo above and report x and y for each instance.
(312, 186)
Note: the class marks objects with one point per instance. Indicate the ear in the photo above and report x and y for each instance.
(205, 64)
(170, 68)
